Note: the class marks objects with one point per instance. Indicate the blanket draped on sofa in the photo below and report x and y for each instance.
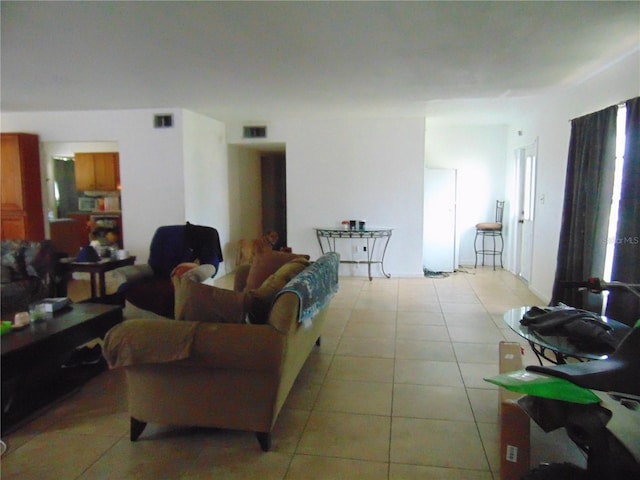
(315, 286)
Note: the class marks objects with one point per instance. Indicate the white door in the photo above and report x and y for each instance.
(526, 177)
(439, 234)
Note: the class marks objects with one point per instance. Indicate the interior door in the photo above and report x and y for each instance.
(526, 175)
(439, 230)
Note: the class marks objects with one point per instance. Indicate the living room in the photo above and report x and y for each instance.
(169, 175)
(362, 164)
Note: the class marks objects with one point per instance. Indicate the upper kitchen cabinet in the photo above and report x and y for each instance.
(97, 171)
(21, 194)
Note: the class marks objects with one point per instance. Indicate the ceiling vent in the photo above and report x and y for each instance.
(163, 121)
(254, 132)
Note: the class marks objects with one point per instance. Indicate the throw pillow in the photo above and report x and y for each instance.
(13, 258)
(183, 268)
(266, 264)
(199, 302)
(257, 301)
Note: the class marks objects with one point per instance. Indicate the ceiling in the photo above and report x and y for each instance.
(260, 60)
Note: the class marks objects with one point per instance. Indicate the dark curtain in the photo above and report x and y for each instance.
(624, 306)
(587, 204)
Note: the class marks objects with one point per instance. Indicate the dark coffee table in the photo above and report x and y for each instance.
(32, 376)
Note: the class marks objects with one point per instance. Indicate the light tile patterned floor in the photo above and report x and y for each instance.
(394, 392)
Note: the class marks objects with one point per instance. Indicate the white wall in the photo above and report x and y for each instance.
(151, 163)
(206, 176)
(245, 198)
(479, 154)
(368, 169)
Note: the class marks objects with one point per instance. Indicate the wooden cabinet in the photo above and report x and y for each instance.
(97, 171)
(21, 191)
(68, 235)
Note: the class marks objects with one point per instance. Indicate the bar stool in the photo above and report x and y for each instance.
(492, 230)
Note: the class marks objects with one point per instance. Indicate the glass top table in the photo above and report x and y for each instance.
(559, 347)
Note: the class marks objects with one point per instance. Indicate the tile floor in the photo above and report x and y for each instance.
(394, 392)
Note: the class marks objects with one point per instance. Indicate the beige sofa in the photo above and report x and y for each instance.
(224, 375)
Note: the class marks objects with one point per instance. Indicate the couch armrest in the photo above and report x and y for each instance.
(200, 273)
(240, 277)
(211, 345)
(132, 273)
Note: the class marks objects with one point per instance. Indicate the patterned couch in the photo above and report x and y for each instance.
(30, 271)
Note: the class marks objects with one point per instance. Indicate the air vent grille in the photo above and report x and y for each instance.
(163, 121)
(254, 132)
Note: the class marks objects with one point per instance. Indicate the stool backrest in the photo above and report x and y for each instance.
(499, 210)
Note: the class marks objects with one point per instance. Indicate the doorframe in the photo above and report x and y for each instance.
(519, 215)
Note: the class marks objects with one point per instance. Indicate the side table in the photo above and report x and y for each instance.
(96, 271)
(371, 235)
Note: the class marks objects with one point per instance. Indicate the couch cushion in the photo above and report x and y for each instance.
(200, 302)
(6, 274)
(13, 258)
(257, 301)
(266, 264)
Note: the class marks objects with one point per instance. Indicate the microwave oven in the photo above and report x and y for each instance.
(87, 204)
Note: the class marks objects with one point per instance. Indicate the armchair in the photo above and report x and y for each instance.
(148, 286)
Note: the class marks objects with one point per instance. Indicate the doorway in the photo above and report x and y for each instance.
(273, 169)
(525, 196)
(65, 192)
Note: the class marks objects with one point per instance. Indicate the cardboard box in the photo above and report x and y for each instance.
(514, 422)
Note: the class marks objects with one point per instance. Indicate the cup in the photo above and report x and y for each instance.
(38, 312)
(122, 254)
(21, 319)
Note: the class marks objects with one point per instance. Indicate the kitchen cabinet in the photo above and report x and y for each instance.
(21, 190)
(97, 171)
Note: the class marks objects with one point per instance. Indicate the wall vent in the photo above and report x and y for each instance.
(163, 121)
(254, 132)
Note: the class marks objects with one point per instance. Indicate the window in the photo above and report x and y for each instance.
(621, 123)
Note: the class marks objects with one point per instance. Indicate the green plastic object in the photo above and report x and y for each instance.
(5, 327)
(537, 385)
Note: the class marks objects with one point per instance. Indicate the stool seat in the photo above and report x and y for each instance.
(489, 226)
(493, 230)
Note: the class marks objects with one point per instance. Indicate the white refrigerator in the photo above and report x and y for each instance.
(439, 230)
